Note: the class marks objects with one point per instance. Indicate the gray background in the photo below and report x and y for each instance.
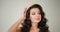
(11, 10)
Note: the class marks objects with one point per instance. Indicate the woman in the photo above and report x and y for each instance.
(34, 21)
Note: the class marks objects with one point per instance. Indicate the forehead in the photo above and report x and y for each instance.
(34, 10)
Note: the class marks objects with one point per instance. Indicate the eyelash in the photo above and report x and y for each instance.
(39, 13)
(34, 13)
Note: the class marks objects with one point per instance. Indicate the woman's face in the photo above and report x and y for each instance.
(35, 15)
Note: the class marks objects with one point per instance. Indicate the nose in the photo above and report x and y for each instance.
(37, 15)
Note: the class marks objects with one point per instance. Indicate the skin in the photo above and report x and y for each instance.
(35, 17)
(14, 27)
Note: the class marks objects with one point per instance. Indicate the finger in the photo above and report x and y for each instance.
(25, 10)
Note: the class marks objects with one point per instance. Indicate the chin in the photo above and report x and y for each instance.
(37, 21)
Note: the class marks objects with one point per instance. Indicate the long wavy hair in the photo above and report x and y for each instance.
(27, 22)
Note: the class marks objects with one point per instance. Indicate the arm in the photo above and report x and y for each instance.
(15, 25)
(19, 21)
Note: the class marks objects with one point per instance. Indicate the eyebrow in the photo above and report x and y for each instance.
(34, 12)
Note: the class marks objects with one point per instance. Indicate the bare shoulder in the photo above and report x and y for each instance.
(18, 29)
(49, 30)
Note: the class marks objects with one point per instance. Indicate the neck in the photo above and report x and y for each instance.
(34, 25)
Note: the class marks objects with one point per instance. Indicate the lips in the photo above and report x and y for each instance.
(38, 19)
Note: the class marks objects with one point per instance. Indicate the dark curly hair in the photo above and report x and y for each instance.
(27, 22)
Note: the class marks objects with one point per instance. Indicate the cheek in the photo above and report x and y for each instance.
(40, 17)
(33, 18)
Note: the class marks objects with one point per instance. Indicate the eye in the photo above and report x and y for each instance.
(33, 13)
(39, 13)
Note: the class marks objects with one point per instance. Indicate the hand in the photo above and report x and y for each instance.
(24, 14)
